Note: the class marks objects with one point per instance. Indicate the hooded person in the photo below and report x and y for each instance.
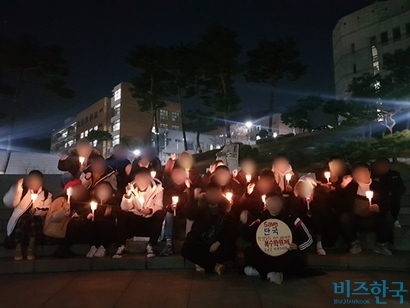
(281, 168)
(147, 159)
(212, 239)
(99, 171)
(77, 160)
(120, 163)
(30, 202)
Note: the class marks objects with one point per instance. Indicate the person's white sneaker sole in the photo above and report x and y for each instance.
(250, 271)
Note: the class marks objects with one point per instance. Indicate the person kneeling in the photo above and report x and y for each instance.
(211, 240)
(142, 212)
(294, 261)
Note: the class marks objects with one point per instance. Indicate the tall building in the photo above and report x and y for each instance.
(129, 122)
(362, 39)
(64, 137)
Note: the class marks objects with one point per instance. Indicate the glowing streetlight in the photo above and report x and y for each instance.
(137, 152)
(248, 124)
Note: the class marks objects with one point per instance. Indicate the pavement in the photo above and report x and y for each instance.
(185, 288)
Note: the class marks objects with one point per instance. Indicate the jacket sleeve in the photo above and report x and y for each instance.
(13, 196)
(56, 213)
(113, 181)
(66, 164)
(169, 166)
(302, 237)
(158, 202)
(127, 203)
(86, 183)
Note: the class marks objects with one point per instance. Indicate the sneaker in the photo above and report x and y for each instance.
(200, 269)
(100, 253)
(397, 224)
(250, 271)
(120, 252)
(219, 268)
(355, 247)
(321, 252)
(150, 251)
(91, 252)
(167, 250)
(275, 277)
(30, 254)
(382, 249)
(18, 253)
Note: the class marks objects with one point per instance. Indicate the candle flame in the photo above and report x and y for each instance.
(248, 177)
(175, 199)
(81, 159)
(369, 194)
(93, 205)
(229, 196)
(288, 176)
(263, 198)
(327, 175)
(153, 174)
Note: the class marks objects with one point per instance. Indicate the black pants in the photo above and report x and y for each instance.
(79, 231)
(103, 232)
(381, 224)
(395, 208)
(129, 225)
(293, 262)
(198, 253)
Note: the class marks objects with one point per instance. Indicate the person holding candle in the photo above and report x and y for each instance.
(98, 172)
(284, 175)
(147, 159)
(186, 161)
(248, 173)
(333, 174)
(206, 178)
(71, 163)
(212, 239)
(30, 202)
(120, 163)
(142, 212)
(177, 195)
(294, 261)
(222, 177)
(359, 215)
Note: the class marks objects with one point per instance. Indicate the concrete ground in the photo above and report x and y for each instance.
(183, 288)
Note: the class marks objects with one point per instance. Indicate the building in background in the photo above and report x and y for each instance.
(64, 137)
(362, 39)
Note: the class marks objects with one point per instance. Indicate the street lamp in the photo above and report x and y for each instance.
(137, 152)
(248, 124)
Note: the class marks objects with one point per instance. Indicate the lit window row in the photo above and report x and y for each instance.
(117, 95)
(116, 125)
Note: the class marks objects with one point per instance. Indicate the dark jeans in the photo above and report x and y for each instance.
(198, 253)
(129, 225)
(103, 232)
(395, 208)
(381, 224)
(79, 231)
(293, 262)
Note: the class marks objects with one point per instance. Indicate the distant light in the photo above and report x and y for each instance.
(248, 124)
(275, 135)
(137, 152)
(258, 137)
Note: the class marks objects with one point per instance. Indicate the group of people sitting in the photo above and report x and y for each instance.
(112, 200)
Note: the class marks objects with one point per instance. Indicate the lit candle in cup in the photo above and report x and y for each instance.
(369, 195)
(175, 200)
(93, 206)
(288, 177)
(248, 178)
(82, 160)
(327, 176)
(69, 194)
(153, 174)
(229, 196)
(141, 200)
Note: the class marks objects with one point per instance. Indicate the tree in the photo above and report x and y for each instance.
(297, 116)
(150, 86)
(131, 142)
(99, 136)
(219, 51)
(27, 58)
(271, 62)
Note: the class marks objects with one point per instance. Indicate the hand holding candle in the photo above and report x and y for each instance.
(369, 195)
(288, 177)
(263, 197)
(69, 194)
(141, 200)
(327, 176)
(175, 200)
(229, 196)
(93, 206)
(82, 160)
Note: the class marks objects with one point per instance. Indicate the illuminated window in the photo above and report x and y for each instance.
(117, 109)
(116, 125)
(96, 127)
(65, 134)
(163, 114)
(375, 60)
(164, 126)
(175, 116)
(70, 142)
(396, 34)
(94, 143)
(82, 135)
(117, 95)
(175, 127)
(116, 140)
(86, 133)
(66, 145)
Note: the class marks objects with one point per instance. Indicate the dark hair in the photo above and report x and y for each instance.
(335, 157)
(276, 195)
(222, 167)
(36, 173)
(281, 156)
(141, 171)
(120, 145)
(266, 173)
(98, 157)
(83, 142)
(212, 185)
(382, 160)
(105, 183)
(177, 167)
(360, 166)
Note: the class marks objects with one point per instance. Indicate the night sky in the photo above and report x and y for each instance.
(96, 37)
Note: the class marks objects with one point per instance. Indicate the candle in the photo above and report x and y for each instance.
(248, 178)
(288, 177)
(69, 194)
(175, 200)
(153, 174)
(34, 197)
(327, 176)
(229, 196)
(93, 206)
(141, 200)
(308, 200)
(264, 199)
(187, 174)
(369, 195)
(82, 160)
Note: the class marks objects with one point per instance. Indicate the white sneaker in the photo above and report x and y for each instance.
(275, 277)
(397, 224)
(150, 251)
(100, 253)
(120, 252)
(91, 252)
(250, 271)
(321, 252)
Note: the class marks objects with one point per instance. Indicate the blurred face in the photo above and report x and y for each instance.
(142, 181)
(264, 185)
(144, 163)
(381, 167)
(99, 166)
(79, 193)
(185, 161)
(303, 190)
(213, 196)
(84, 149)
(248, 167)
(103, 192)
(274, 205)
(336, 167)
(222, 177)
(178, 176)
(281, 165)
(34, 182)
(120, 153)
(361, 175)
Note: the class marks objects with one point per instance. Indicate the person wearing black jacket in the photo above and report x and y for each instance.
(391, 179)
(175, 187)
(294, 261)
(360, 214)
(222, 177)
(211, 241)
(119, 162)
(248, 168)
(98, 172)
